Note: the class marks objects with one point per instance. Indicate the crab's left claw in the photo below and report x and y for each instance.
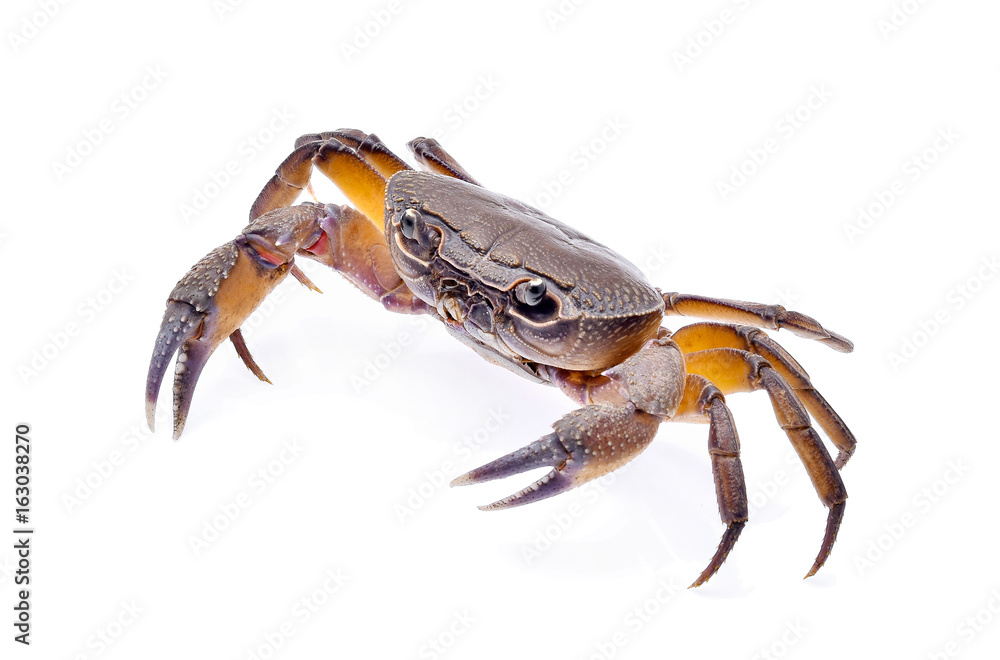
(211, 302)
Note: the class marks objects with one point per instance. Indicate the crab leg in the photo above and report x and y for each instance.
(428, 152)
(773, 317)
(433, 158)
(733, 370)
(704, 401)
(701, 336)
(358, 163)
(360, 182)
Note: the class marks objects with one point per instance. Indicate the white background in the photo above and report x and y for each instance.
(916, 554)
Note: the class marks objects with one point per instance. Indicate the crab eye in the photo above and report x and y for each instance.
(408, 222)
(531, 292)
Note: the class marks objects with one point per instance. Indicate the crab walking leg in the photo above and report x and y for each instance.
(733, 370)
(702, 336)
(371, 149)
(704, 402)
(288, 182)
(360, 182)
(379, 156)
(433, 158)
(773, 317)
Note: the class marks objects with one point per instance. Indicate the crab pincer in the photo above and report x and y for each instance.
(209, 304)
(586, 443)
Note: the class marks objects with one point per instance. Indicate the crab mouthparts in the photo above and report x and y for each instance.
(320, 246)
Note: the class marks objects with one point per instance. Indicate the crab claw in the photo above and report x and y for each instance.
(211, 302)
(587, 443)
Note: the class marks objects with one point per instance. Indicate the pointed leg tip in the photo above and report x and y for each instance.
(703, 578)
(839, 343)
(829, 538)
(726, 544)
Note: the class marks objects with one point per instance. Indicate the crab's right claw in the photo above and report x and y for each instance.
(587, 443)
(211, 302)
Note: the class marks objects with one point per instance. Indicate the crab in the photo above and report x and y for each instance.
(527, 293)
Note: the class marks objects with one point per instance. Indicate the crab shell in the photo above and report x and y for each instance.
(471, 248)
